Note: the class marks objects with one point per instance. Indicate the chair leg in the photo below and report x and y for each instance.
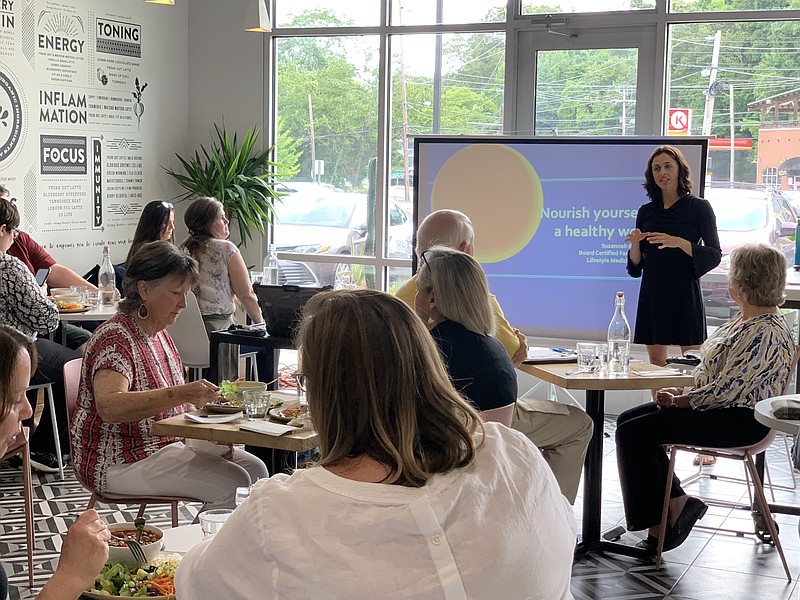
(29, 525)
(92, 502)
(174, 513)
(140, 514)
(56, 438)
(764, 507)
(662, 528)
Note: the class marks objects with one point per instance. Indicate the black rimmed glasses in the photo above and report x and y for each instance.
(425, 260)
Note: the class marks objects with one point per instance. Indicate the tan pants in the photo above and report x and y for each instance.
(562, 439)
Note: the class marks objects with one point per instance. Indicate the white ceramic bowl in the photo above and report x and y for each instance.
(60, 291)
(122, 554)
(67, 298)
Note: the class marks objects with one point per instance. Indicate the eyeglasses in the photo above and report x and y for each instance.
(425, 260)
(300, 378)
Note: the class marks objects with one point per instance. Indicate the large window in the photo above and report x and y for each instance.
(356, 81)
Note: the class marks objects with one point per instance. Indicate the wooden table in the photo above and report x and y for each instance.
(229, 433)
(595, 385)
(267, 361)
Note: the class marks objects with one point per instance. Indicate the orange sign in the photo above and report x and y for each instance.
(679, 121)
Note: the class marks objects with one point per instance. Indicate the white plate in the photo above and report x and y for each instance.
(202, 418)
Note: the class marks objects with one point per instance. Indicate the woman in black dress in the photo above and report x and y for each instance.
(674, 244)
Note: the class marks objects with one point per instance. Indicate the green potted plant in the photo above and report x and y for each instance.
(238, 175)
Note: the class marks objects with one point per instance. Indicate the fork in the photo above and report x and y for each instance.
(136, 550)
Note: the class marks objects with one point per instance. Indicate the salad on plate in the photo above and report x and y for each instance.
(153, 580)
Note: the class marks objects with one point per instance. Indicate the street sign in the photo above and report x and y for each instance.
(679, 121)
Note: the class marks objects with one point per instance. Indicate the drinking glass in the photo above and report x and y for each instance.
(80, 291)
(255, 276)
(242, 493)
(92, 297)
(211, 521)
(602, 357)
(586, 353)
(256, 403)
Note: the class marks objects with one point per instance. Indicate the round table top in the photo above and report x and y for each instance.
(765, 415)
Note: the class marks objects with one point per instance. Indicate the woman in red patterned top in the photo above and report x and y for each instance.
(132, 377)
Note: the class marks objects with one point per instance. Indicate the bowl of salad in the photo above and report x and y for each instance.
(152, 580)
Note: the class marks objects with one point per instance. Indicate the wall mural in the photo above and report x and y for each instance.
(76, 91)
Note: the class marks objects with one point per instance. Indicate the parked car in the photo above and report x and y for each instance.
(745, 216)
(317, 219)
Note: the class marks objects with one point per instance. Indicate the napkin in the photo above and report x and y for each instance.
(786, 409)
(267, 427)
(657, 373)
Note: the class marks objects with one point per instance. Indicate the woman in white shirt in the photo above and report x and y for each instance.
(412, 496)
(223, 275)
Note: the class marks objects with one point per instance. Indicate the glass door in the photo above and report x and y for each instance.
(583, 82)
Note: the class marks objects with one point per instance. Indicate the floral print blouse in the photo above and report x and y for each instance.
(744, 361)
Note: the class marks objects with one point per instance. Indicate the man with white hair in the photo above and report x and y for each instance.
(562, 432)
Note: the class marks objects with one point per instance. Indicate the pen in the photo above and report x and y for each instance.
(561, 350)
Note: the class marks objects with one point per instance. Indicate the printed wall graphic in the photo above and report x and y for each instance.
(75, 144)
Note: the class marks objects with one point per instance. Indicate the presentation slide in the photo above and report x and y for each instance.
(550, 217)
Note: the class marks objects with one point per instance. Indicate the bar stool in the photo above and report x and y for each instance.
(48, 392)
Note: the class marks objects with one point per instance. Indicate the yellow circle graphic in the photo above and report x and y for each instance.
(500, 192)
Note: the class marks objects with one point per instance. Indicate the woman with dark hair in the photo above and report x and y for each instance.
(223, 275)
(132, 377)
(85, 548)
(674, 244)
(157, 222)
(745, 360)
(408, 478)
(24, 306)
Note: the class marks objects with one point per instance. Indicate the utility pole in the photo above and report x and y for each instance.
(730, 118)
(313, 149)
(712, 77)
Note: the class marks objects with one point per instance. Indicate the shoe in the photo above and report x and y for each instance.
(44, 462)
(649, 547)
(694, 510)
(704, 459)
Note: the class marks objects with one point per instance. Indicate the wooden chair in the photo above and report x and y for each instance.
(22, 449)
(755, 486)
(502, 414)
(72, 378)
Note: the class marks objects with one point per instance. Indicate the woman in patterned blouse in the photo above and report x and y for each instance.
(744, 361)
(132, 377)
(25, 307)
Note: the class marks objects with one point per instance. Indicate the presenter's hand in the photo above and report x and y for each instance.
(662, 240)
(522, 352)
(635, 236)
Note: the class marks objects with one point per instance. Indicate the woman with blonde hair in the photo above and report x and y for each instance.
(453, 297)
(407, 479)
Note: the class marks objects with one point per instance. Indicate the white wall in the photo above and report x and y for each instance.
(226, 81)
(57, 60)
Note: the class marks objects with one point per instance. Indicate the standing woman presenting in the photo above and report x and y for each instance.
(674, 244)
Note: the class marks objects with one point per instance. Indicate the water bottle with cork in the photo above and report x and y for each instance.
(269, 272)
(619, 339)
(106, 279)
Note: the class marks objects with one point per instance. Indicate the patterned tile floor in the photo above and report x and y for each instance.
(707, 565)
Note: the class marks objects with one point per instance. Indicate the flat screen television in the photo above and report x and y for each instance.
(550, 217)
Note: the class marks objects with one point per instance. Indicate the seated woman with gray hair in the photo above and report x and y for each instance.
(747, 359)
(132, 377)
